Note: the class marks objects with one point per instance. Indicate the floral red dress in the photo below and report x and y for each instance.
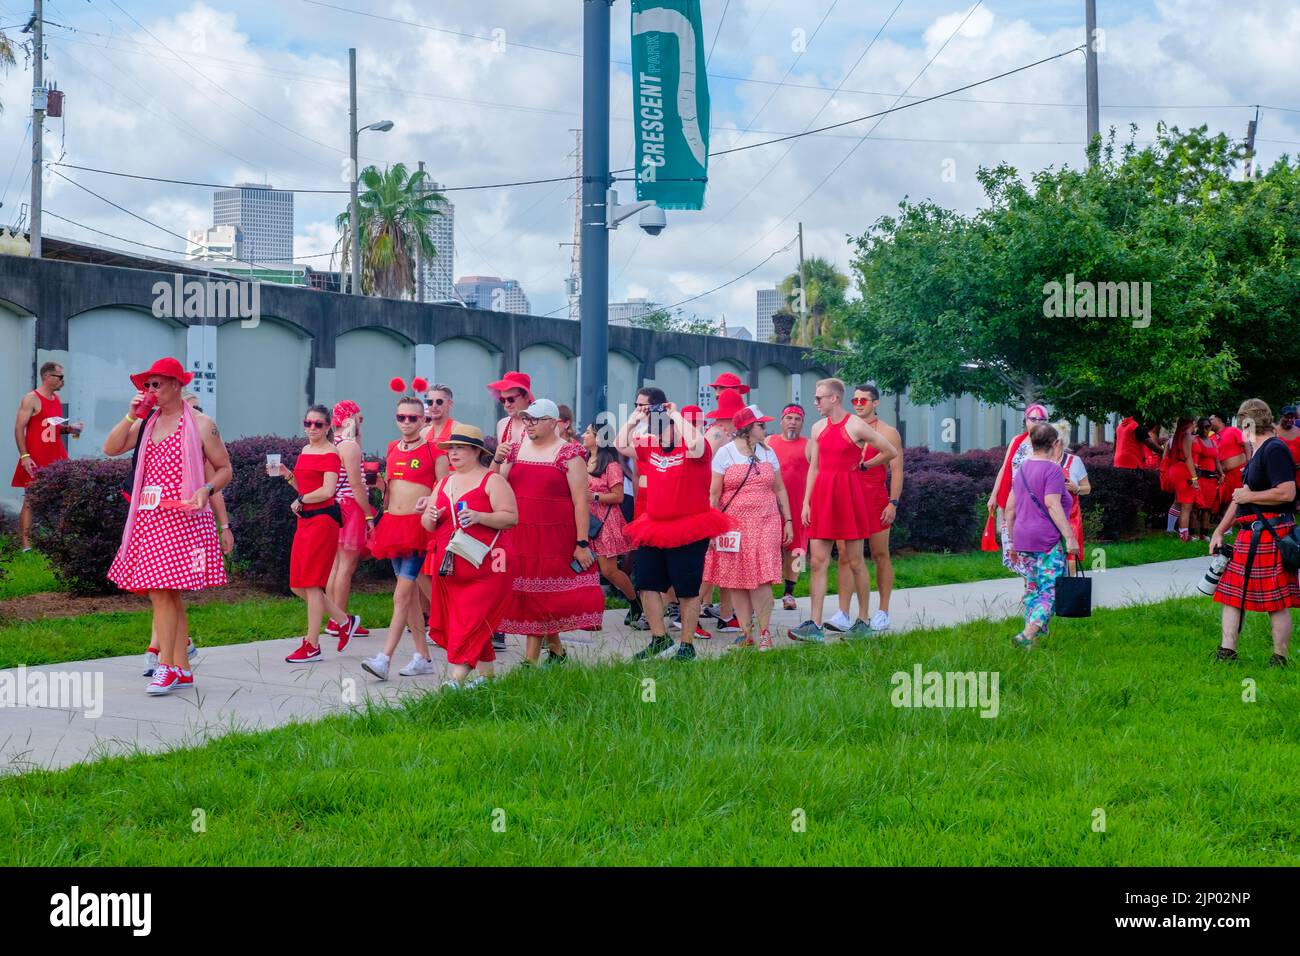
(749, 494)
(546, 596)
(611, 541)
(170, 548)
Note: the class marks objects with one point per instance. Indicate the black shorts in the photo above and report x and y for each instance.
(680, 568)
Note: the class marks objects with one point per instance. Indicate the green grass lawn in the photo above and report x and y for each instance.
(26, 574)
(1121, 715)
(53, 640)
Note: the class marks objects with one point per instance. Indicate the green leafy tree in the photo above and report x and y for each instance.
(662, 320)
(825, 301)
(978, 304)
(395, 210)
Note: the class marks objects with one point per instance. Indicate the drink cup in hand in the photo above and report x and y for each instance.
(272, 465)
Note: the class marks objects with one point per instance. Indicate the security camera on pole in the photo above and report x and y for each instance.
(671, 103)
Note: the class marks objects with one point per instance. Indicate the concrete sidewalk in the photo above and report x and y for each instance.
(250, 687)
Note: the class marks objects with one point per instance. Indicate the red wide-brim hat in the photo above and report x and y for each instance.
(730, 380)
(514, 380)
(166, 367)
(728, 404)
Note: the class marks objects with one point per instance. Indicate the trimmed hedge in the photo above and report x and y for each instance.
(258, 505)
(938, 512)
(78, 513)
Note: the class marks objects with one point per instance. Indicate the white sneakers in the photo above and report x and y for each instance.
(377, 665)
(880, 621)
(840, 622)
(418, 666)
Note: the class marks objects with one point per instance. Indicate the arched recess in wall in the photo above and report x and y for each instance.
(262, 371)
(466, 366)
(554, 373)
(624, 371)
(17, 350)
(678, 377)
(106, 345)
(366, 360)
(772, 392)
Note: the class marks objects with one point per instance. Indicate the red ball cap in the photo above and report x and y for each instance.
(748, 416)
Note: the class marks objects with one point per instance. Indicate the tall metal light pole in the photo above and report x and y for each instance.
(1090, 68)
(38, 121)
(354, 215)
(593, 307)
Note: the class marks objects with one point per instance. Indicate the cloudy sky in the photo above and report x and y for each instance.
(487, 91)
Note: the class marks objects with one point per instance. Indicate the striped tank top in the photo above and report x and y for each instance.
(344, 490)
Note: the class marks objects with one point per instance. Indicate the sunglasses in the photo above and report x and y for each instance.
(821, 398)
(407, 419)
(1040, 420)
(150, 386)
(58, 375)
(313, 423)
(435, 401)
(511, 399)
(862, 401)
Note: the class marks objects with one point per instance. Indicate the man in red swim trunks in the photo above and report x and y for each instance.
(836, 505)
(39, 424)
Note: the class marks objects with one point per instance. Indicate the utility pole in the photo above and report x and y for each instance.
(574, 282)
(39, 101)
(419, 258)
(803, 295)
(354, 216)
(1090, 68)
(593, 308)
(1251, 128)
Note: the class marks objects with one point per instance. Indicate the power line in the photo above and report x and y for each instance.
(721, 20)
(884, 113)
(185, 239)
(22, 144)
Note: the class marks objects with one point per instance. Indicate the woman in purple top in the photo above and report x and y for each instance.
(1036, 512)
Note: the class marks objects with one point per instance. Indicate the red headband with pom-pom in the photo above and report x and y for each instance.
(418, 384)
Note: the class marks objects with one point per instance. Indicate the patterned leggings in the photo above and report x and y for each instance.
(1041, 569)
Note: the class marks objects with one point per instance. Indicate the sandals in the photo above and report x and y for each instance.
(1226, 654)
(1277, 660)
(1028, 643)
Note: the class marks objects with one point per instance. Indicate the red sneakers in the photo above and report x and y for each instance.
(305, 654)
(183, 678)
(165, 680)
(332, 628)
(349, 631)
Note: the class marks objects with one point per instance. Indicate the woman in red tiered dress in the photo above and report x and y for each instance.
(549, 479)
(315, 477)
(605, 485)
(468, 602)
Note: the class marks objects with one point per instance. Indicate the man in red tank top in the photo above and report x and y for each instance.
(37, 429)
(515, 393)
(438, 425)
(835, 502)
(1233, 455)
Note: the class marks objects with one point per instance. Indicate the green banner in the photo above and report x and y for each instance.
(670, 98)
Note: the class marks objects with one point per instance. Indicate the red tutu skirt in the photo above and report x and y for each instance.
(675, 532)
(315, 543)
(353, 535)
(1271, 587)
(396, 535)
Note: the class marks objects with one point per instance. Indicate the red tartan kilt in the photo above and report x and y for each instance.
(1272, 587)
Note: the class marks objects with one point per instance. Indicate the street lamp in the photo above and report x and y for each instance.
(383, 126)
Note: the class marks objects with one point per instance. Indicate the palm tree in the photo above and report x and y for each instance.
(395, 210)
(6, 58)
(825, 293)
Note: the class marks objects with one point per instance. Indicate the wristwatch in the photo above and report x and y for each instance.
(894, 502)
(584, 543)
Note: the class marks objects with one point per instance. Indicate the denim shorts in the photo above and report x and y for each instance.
(408, 565)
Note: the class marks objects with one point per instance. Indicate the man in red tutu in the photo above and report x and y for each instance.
(836, 505)
(37, 429)
(673, 531)
(170, 541)
(791, 449)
